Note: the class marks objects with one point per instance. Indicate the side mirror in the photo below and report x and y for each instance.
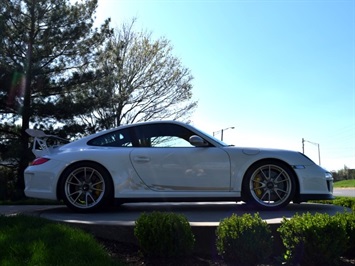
(197, 141)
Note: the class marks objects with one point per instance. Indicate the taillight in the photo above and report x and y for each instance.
(39, 161)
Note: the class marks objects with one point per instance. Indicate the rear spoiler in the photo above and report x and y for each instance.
(40, 146)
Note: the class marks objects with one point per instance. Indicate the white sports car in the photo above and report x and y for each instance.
(169, 161)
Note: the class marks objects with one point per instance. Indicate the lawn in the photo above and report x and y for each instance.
(345, 183)
(28, 240)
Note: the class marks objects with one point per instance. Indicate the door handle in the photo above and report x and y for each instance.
(141, 159)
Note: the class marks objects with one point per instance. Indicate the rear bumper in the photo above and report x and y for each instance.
(40, 182)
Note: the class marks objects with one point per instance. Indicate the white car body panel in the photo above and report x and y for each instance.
(183, 169)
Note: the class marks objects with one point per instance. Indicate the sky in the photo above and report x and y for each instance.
(278, 71)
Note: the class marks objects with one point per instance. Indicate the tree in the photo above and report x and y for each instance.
(142, 81)
(46, 51)
(344, 174)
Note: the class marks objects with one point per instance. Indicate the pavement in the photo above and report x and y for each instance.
(344, 192)
(198, 213)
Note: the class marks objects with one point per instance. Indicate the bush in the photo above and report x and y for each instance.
(317, 239)
(347, 202)
(164, 235)
(349, 222)
(244, 240)
(7, 183)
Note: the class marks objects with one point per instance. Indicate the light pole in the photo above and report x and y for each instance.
(317, 144)
(222, 130)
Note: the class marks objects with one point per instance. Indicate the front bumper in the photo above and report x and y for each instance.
(307, 197)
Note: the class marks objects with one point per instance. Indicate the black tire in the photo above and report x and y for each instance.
(269, 185)
(86, 187)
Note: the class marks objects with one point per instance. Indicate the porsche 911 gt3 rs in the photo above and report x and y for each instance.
(168, 161)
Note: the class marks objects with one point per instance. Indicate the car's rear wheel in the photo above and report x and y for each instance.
(269, 185)
(86, 187)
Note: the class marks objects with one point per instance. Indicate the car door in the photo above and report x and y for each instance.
(166, 161)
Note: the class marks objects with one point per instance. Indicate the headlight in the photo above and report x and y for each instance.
(328, 175)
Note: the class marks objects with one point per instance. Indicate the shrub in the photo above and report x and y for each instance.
(7, 183)
(349, 222)
(347, 202)
(244, 240)
(164, 235)
(317, 239)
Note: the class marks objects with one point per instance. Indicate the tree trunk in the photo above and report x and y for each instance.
(26, 108)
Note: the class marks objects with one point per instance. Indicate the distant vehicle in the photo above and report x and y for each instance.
(168, 161)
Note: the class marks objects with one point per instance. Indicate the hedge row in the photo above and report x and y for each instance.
(318, 239)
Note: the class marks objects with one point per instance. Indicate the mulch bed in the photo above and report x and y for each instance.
(129, 253)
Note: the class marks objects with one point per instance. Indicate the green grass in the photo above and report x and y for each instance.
(345, 183)
(28, 240)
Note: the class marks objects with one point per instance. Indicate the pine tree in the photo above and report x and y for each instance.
(47, 48)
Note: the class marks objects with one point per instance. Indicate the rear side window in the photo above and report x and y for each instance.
(119, 138)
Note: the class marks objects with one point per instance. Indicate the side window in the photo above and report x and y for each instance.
(119, 138)
(163, 135)
(170, 141)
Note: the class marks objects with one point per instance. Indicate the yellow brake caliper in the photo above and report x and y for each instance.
(98, 190)
(257, 186)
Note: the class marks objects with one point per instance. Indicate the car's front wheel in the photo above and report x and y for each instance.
(269, 185)
(86, 187)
